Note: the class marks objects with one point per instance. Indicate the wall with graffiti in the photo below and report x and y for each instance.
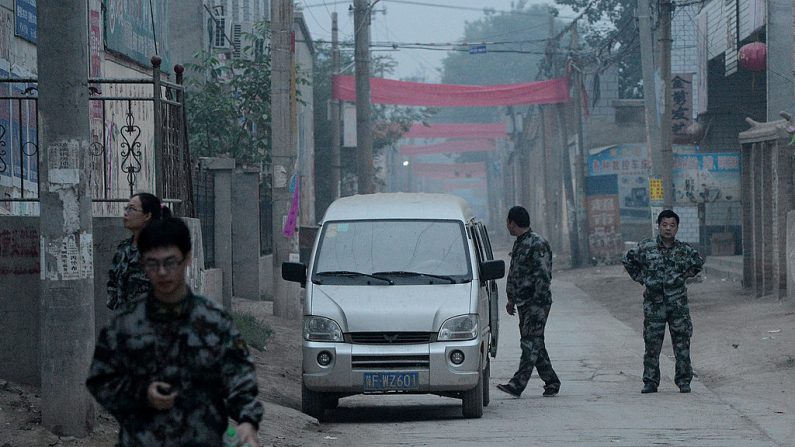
(710, 181)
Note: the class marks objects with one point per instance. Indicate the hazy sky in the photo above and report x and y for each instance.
(405, 21)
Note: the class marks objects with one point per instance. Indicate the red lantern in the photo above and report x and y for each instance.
(753, 56)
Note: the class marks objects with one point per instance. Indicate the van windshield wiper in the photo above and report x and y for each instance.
(405, 273)
(350, 273)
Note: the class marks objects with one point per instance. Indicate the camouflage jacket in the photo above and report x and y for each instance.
(126, 279)
(663, 270)
(195, 347)
(530, 274)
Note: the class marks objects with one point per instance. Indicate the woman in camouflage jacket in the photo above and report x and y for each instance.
(126, 278)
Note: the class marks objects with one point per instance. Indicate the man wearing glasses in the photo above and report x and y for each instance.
(173, 367)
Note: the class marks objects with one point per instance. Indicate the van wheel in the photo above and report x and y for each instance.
(472, 401)
(312, 403)
(486, 379)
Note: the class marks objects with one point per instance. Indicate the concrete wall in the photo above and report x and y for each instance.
(19, 304)
(791, 255)
(245, 233)
(266, 277)
(20, 291)
(212, 284)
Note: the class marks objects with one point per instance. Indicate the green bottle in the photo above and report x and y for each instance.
(230, 437)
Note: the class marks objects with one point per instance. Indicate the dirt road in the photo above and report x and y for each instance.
(743, 351)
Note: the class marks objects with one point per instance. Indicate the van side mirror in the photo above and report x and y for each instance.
(295, 272)
(492, 270)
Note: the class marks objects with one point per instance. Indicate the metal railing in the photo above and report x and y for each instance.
(127, 125)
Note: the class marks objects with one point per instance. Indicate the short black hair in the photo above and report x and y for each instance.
(519, 216)
(665, 214)
(165, 233)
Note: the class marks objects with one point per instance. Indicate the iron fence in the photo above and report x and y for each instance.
(130, 119)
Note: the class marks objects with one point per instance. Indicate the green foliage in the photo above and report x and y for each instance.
(613, 37)
(228, 103)
(255, 333)
(518, 43)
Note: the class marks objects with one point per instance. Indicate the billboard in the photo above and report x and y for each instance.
(131, 29)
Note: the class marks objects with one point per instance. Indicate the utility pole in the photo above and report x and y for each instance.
(666, 134)
(66, 338)
(283, 155)
(568, 184)
(554, 159)
(364, 137)
(581, 158)
(649, 91)
(336, 165)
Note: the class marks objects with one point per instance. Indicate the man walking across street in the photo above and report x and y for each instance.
(172, 367)
(528, 290)
(662, 265)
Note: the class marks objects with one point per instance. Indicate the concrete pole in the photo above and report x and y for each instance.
(547, 184)
(581, 159)
(666, 134)
(779, 71)
(336, 165)
(568, 185)
(283, 150)
(67, 287)
(364, 137)
(649, 91)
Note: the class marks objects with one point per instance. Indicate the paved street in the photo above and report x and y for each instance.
(598, 359)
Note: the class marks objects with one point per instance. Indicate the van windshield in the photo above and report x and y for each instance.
(402, 251)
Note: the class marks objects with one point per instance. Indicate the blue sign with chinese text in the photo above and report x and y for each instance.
(25, 19)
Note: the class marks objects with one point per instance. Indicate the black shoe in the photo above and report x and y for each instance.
(684, 388)
(648, 388)
(508, 388)
(549, 392)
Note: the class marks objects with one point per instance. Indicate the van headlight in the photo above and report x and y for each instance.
(462, 327)
(321, 329)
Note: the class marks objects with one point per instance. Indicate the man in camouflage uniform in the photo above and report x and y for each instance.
(126, 278)
(172, 368)
(662, 265)
(528, 284)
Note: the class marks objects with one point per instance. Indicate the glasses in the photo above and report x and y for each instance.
(168, 264)
(129, 209)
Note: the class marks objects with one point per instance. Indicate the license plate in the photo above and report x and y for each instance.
(391, 381)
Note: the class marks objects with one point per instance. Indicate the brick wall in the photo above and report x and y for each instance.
(688, 224)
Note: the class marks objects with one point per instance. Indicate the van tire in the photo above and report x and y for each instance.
(486, 380)
(472, 400)
(312, 403)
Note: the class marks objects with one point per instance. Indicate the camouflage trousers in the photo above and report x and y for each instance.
(532, 321)
(655, 316)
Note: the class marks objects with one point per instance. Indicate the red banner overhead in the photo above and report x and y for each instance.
(449, 171)
(474, 145)
(474, 130)
(388, 91)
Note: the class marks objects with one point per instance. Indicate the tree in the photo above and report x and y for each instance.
(228, 104)
(613, 38)
(389, 122)
(515, 44)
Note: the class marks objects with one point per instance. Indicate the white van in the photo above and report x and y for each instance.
(400, 298)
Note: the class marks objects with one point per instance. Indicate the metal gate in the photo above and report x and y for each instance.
(138, 141)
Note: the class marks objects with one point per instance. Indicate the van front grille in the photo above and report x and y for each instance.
(390, 361)
(390, 338)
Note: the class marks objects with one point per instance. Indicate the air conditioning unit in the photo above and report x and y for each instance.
(237, 41)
